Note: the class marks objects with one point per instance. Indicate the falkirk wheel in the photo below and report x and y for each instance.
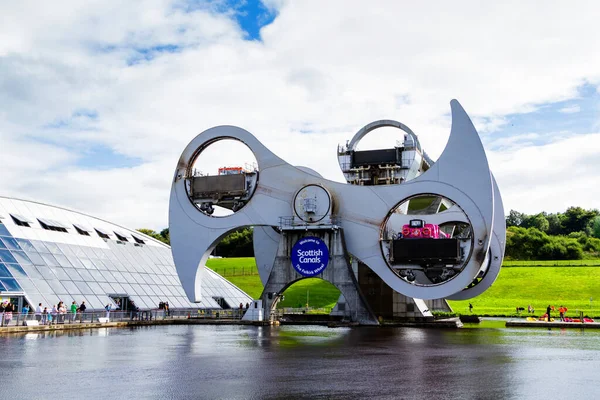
(401, 235)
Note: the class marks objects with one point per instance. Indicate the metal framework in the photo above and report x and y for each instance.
(283, 194)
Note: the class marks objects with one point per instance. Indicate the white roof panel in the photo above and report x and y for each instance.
(82, 228)
(103, 231)
(21, 218)
(52, 223)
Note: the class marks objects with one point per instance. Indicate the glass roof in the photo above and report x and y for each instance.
(49, 266)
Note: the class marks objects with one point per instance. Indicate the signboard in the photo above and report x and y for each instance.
(310, 256)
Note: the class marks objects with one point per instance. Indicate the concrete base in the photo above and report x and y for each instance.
(438, 305)
(338, 272)
(389, 305)
(255, 312)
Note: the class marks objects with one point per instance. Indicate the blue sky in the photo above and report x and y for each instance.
(578, 115)
(252, 16)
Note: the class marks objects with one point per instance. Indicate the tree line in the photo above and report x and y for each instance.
(572, 235)
(237, 244)
(163, 235)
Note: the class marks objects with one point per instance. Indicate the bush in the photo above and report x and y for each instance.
(533, 244)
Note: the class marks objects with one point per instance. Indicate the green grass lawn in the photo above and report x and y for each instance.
(320, 294)
(548, 263)
(233, 266)
(520, 286)
(243, 273)
(515, 287)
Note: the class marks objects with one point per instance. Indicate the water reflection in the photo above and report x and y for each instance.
(241, 362)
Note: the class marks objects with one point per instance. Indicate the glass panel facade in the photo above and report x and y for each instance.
(91, 269)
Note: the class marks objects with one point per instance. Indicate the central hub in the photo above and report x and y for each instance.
(312, 203)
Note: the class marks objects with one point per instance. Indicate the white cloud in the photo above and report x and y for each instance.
(327, 68)
(570, 109)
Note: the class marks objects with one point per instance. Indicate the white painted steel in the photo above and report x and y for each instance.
(461, 174)
(495, 254)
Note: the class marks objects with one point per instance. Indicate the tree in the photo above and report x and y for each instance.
(554, 224)
(515, 218)
(537, 221)
(576, 219)
(165, 235)
(596, 227)
(237, 244)
(157, 236)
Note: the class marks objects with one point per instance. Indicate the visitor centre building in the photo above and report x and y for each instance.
(50, 254)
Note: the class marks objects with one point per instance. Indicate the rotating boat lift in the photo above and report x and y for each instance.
(369, 233)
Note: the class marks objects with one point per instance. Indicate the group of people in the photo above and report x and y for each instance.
(44, 316)
(58, 312)
(562, 310)
(164, 305)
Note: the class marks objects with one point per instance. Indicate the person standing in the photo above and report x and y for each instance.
(38, 313)
(107, 308)
(62, 312)
(548, 311)
(82, 309)
(25, 313)
(74, 308)
(561, 311)
(54, 314)
(8, 310)
(45, 316)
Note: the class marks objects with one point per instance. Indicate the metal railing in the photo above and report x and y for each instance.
(234, 270)
(294, 223)
(17, 319)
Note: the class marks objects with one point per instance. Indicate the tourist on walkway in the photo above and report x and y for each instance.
(74, 308)
(2, 308)
(8, 310)
(161, 306)
(45, 316)
(38, 313)
(82, 308)
(53, 314)
(25, 312)
(548, 310)
(62, 312)
(134, 310)
(107, 308)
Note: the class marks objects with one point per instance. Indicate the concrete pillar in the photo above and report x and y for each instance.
(338, 272)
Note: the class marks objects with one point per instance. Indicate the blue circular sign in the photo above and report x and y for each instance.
(310, 256)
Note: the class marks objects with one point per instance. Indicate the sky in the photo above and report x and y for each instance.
(99, 98)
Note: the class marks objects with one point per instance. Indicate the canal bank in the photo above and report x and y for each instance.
(554, 324)
(450, 323)
(301, 362)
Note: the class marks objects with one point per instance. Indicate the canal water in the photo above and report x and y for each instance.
(242, 362)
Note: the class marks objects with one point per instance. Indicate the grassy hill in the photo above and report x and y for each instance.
(517, 286)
